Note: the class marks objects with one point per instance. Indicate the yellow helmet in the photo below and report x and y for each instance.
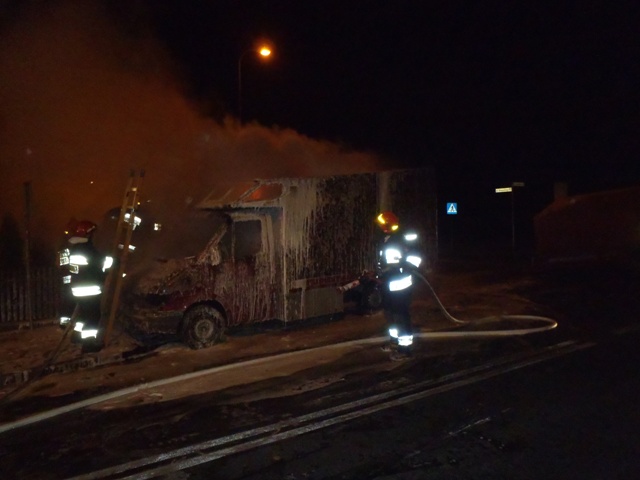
(388, 222)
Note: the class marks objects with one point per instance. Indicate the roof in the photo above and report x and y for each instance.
(257, 193)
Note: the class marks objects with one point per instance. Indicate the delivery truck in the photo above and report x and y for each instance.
(270, 249)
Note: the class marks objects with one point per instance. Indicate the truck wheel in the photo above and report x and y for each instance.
(203, 326)
(373, 299)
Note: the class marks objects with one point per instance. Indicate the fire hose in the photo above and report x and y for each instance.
(52, 358)
(549, 322)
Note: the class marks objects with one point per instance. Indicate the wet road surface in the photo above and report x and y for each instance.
(567, 416)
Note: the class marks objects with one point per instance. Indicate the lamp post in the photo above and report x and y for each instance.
(513, 209)
(264, 51)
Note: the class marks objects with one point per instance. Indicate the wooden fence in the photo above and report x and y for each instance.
(14, 297)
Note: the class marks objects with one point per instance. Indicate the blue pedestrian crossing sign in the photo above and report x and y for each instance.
(452, 208)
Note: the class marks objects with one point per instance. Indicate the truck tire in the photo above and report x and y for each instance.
(203, 325)
(373, 299)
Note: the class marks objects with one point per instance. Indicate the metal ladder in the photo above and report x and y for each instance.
(120, 251)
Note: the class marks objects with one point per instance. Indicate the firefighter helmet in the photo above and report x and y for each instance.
(84, 228)
(388, 222)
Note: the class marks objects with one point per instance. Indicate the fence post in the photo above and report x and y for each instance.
(27, 251)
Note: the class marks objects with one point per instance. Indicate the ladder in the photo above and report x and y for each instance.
(120, 251)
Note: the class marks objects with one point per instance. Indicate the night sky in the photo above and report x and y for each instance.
(487, 92)
(497, 91)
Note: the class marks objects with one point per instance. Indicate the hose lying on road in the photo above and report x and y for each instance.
(549, 323)
(433, 292)
(52, 358)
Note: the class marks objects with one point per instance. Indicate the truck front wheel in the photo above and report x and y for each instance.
(203, 326)
(373, 299)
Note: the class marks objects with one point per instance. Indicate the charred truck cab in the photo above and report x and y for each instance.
(270, 249)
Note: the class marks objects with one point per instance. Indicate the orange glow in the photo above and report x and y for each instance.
(265, 51)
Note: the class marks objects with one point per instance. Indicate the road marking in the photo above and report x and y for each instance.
(244, 441)
(482, 421)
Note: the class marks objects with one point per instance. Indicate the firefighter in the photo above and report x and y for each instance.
(88, 271)
(67, 302)
(398, 258)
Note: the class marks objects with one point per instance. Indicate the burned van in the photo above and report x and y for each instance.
(268, 249)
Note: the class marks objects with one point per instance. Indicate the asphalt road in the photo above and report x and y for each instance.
(558, 404)
(564, 409)
(572, 416)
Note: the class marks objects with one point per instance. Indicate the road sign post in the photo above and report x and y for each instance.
(452, 209)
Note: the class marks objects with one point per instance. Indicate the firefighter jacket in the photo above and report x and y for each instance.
(88, 270)
(399, 256)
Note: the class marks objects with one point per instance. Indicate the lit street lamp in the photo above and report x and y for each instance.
(264, 51)
(513, 209)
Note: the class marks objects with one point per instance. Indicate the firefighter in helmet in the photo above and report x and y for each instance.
(398, 258)
(87, 273)
(67, 302)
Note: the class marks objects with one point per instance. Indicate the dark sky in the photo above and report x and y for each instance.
(486, 91)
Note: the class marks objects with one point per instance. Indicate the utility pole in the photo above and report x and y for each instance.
(27, 252)
(264, 51)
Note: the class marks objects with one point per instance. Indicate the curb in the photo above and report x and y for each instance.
(87, 361)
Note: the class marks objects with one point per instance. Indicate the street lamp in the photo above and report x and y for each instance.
(513, 209)
(264, 51)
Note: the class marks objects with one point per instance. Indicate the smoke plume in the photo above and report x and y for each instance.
(82, 102)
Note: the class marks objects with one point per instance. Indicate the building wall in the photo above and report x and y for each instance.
(595, 227)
